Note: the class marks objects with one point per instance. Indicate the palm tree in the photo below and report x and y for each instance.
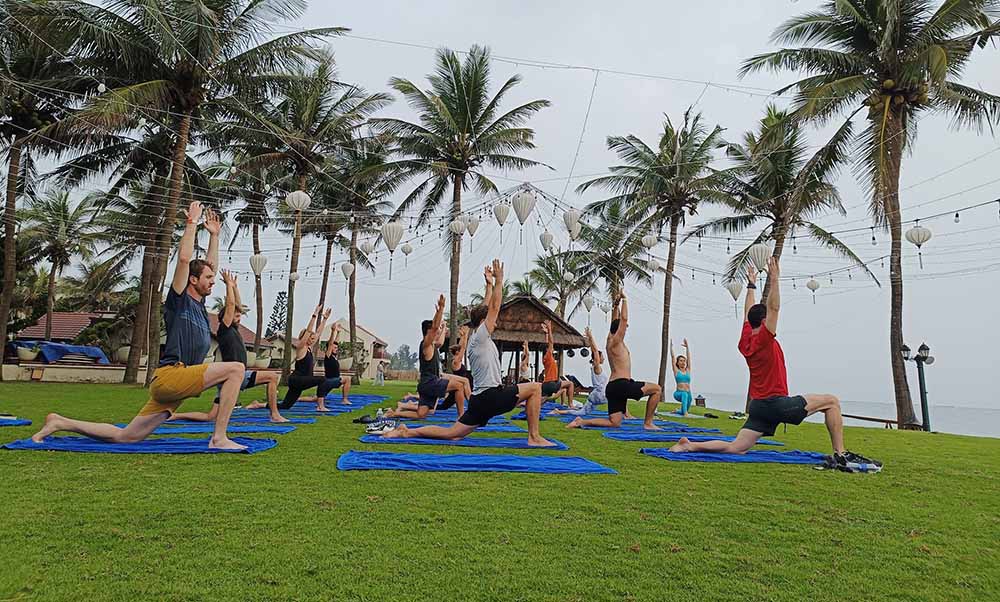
(659, 185)
(460, 129)
(779, 186)
(177, 59)
(98, 287)
(893, 60)
(612, 248)
(34, 80)
(311, 116)
(64, 231)
(550, 275)
(508, 291)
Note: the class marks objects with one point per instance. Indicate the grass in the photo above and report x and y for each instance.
(286, 525)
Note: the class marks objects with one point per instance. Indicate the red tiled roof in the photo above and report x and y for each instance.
(66, 325)
(246, 333)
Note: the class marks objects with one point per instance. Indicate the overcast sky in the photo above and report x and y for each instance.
(840, 343)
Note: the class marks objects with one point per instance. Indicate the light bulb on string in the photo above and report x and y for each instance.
(849, 275)
(831, 280)
(692, 273)
(727, 246)
(793, 284)
(957, 218)
(699, 242)
(713, 279)
(874, 240)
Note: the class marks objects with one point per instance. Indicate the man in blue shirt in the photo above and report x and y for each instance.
(182, 372)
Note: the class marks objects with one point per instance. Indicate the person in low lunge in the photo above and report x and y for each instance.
(552, 386)
(682, 377)
(302, 376)
(182, 373)
(770, 403)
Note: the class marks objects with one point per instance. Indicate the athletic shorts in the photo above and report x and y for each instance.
(767, 414)
(172, 385)
(249, 380)
(333, 383)
(489, 403)
(550, 387)
(432, 390)
(619, 391)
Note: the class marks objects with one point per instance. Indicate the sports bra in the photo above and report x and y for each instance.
(682, 377)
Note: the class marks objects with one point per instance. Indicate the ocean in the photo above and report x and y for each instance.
(958, 420)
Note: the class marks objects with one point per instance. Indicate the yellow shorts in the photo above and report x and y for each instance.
(172, 385)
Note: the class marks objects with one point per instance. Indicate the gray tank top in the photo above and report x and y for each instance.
(429, 369)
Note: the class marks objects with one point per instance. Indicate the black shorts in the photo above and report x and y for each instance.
(767, 414)
(489, 403)
(432, 390)
(550, 387)
(619, 391)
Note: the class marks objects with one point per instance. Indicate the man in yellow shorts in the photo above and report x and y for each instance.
(181, 373)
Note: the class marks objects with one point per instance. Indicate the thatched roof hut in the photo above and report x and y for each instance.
(521, 320)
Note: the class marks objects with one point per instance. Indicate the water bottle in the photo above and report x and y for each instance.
(378, 414)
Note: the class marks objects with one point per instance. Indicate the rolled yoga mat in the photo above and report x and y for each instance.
(14, 422)
(365, 460)
(178, 445)
(664, 436)
(498, 442)
(777, 457)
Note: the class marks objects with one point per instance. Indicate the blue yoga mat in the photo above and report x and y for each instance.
(246, 420)
(662, 436)
(500, 442)
(14, 422)
(207, 427)
(445, 420)
(177, 445)
(777, 457)
(638, 427)
(366, 460)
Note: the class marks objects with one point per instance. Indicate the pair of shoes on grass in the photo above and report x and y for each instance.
(852, 462)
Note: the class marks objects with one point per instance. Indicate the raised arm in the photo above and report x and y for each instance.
(594, 351)
(185, 251)
(214, 226)
(687, 353)
(547, 329)
(773, 296)
(673, 357)
(323, 320)
(432, 333)
(496, 299)
(623, 319)
(334, 331)
(524, 358)
(230, 309)
(463, 339)
(751, 291)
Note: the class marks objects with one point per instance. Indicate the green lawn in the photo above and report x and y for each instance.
(286, 525)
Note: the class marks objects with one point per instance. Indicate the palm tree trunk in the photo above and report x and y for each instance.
(259, 290)
(456, 256)
(286, 360)
(890, 201)
(140, 327)
(668, 289)
(352, 315)
(163, 240)
(780, 232)
(9, 241)
(326, 269)
(50, 303)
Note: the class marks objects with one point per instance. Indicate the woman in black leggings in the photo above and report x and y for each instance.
(302, 376)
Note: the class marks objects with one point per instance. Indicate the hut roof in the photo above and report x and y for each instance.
(521, 318)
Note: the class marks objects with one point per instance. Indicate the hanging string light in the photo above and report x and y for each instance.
(874, 240)
(957, 218)
(727, 246)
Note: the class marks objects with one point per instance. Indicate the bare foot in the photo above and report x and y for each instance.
(540, 442)
(225, 443)
(651, 427)
(575, 424)
(278, 418)
(345, 402)
(397, 433)
(256, 405)
(682, 446)
(53, 423)
(322, 408)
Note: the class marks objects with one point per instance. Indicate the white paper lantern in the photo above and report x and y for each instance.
(546, 239)
(574, 232)
(759, 254)
(813, 285)
(257, 263)
(294, 276)
(392, 233)
(569, 276)
(457, 227)
(407, 248)
(472, 224)
(367, 247)
(347, 269)
(649, 241)
(588, 302)
(735, 288)
(523, 203)
(298, 200)
(571, 217)
(101, 88)
(653, 265)
(605, 308)
(918, 235)
(501, 212)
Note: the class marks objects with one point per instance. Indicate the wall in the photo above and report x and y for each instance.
(68, 374)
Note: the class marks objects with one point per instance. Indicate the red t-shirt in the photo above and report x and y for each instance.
(766, 362)
(551, 368)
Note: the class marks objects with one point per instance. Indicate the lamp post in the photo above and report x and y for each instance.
(922, 358)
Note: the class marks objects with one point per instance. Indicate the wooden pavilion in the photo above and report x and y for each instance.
(521, 319)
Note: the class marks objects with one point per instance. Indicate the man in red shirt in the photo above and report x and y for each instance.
(552, 386)
(770, 404)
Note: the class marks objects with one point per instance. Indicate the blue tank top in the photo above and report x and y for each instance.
(682, 377)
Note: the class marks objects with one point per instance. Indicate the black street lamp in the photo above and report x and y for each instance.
(922, 358)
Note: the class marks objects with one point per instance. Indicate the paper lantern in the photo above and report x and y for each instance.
(569, 276)
(918, 235)
(294, 276)
(101, 88)
(588, 302)
(653, 265)
(759, 254)
(523, 203)
(546, 239)
(574, 232)
(813, 285)
(347, 269)
(407, 248)
(367, 247)
(472, 224)
(298, 200)
(571, 217)
(649, 241)
(457, 227)
(392, 233)
(257, 263)
(735, 288)
(501, 212)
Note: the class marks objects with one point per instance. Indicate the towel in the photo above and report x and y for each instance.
(169, 428)
(363, 460)
(179, 445)
(783, 457)
(504, 442)
(14, 422)
(246, 420)
(664, 436)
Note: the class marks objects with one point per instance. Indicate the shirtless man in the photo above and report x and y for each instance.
(489, 397)
(621, 387)
(182, 373)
